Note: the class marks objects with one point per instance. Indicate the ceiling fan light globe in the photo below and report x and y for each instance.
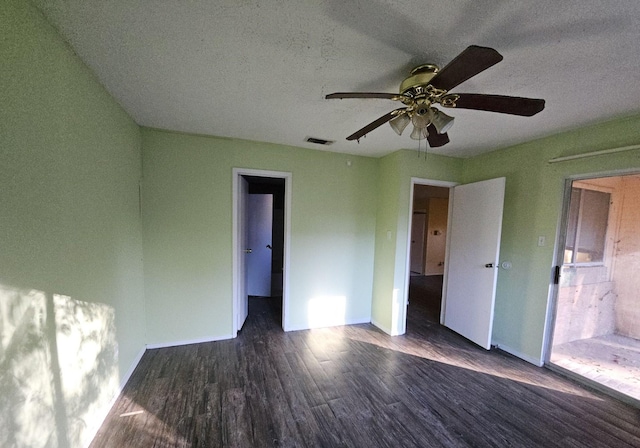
(441, 121)
(421, 121)
(399, 123)
(419, 133)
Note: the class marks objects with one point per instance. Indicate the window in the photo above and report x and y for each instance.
(587, 227)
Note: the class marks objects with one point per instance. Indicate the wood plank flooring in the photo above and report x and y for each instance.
(355, 386)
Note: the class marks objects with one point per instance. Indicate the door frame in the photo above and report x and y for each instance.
(558, 255)
(432, 183)
(238, 251)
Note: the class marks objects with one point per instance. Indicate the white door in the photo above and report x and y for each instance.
(243, 299)
(472, 272)
(417, 242)
(260, 237)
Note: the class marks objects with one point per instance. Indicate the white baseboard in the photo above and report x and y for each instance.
(134, 364)
(361, 320)
(189, 341)
(355, 321)
(123, 382)
(517, 354)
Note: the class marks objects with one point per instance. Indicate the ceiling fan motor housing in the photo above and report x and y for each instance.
(419, 77)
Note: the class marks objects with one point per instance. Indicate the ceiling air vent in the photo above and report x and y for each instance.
(319, 141)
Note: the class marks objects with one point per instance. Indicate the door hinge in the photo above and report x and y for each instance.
(556, 275)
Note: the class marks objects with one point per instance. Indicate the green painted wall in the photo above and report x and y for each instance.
(394, 207)
(73, 310)
(187, 221)
(533, 205)
(71, 291)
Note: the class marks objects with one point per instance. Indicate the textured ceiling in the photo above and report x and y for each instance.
(259, 70)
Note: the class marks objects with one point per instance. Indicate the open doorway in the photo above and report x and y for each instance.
(429, 222)
(265, 243)
(261, 200)
(596, 327)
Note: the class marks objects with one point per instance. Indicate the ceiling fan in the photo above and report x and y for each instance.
(427, 86)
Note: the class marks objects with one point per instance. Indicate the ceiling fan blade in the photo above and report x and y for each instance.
(513, 105)
(374, 124)
(343, 95)
(436, 140)
(467, 64)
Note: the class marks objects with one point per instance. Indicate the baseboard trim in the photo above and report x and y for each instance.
(123, 382)
(127, 376)
(382, 327)
(356, 321)
(189, 341)
(517, 354)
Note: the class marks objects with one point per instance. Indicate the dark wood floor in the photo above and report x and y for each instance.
(425, 298)
(355, 386)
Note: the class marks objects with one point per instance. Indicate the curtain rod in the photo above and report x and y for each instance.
(594, 153)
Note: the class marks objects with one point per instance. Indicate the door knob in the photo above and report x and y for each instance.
(247, 251)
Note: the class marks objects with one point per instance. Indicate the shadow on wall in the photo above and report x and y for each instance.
(58, 368)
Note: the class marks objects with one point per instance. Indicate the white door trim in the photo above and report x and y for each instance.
(236, 249)
(558, 256)
(433, 183)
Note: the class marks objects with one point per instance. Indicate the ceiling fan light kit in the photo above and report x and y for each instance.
(399, 123)
(419, 132)
(427, 86)
(441, 121)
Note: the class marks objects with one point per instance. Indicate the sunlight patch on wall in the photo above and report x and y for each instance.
(27, 406)
(327, 311)
(88, 358)
(58, 367)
